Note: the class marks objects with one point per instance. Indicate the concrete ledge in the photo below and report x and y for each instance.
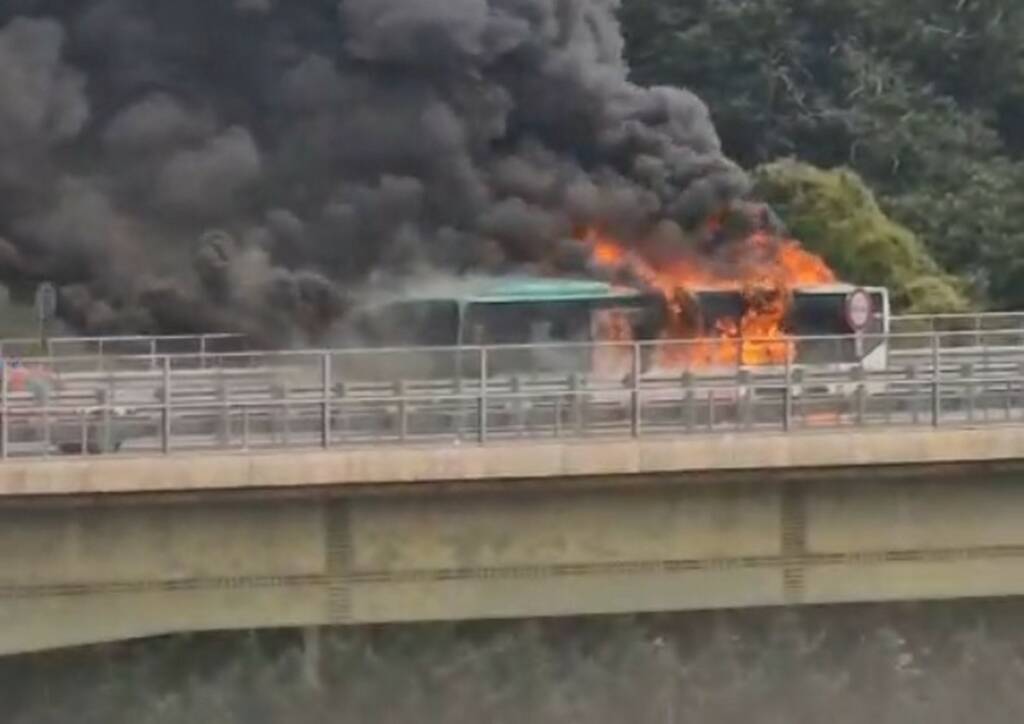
(511, 460)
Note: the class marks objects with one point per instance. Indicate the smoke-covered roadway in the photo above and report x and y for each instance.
(180, 165)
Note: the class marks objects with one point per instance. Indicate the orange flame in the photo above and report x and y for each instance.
(612, 361)
(763, 268)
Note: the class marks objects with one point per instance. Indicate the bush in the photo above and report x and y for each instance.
(834, 214)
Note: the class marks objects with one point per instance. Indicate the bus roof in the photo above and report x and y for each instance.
(525, 289)
(541, 289)
(829, 288)
(834, 288)
(510, 290)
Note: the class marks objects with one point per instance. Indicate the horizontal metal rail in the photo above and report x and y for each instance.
(148, 345)
(329, 398)
(968, 321)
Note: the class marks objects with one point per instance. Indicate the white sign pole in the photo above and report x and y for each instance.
(46, 308)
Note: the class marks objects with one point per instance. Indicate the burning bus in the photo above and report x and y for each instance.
(538, 325)
(755, 298)
(534, 324)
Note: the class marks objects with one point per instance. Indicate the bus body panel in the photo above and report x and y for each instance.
(561, 318)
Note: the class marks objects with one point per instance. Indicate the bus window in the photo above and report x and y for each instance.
(517, 323)
(529, 323)
(877, 323)
(824, 315)
(718, 309)
(612, 325)
(408, 324)
(541, 331)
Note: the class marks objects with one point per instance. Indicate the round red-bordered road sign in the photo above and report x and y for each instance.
(859, 309)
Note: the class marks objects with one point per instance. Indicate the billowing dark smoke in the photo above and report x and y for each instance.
(180, 165)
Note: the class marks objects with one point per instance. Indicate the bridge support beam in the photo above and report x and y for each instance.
(77, 571)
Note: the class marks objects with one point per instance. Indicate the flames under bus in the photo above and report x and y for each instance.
(543, 325)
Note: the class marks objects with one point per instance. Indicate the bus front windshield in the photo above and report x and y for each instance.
(823, 316)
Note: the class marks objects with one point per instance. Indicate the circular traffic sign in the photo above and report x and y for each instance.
(46, 301)
(859, 309)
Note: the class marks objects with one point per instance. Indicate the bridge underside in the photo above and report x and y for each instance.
(92, 569)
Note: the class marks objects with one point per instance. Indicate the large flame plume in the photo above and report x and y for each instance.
(762, 266)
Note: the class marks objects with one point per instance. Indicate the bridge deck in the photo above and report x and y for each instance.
(276, 490)
(81, 569)
(510, 461)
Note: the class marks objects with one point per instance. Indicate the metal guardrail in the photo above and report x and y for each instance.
(151, 346)
(963, 322)
(330, 398)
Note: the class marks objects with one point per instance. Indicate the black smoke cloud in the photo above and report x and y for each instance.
(183, 165)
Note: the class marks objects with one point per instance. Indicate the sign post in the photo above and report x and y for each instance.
(46, 309)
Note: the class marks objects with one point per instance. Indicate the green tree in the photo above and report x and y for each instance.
(835, 215)
(924, 99)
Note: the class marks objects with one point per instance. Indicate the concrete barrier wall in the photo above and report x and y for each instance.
(97, 569)
(540, 460)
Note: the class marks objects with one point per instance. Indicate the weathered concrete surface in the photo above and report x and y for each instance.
(106, 549)
(86, 569)
(509, 460)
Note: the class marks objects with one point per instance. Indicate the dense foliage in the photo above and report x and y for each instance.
(940, 663)
(838, 217)
(923, 98)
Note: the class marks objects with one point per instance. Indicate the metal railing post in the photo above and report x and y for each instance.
(283, 394)
(967, 373)
(165, 421)
(575, 390)
(325, 420)
(519, 406)
(224, 425)
(482, 401)
(634, 425)
(202, 352)
(936, 375)
(105, 398)
(787, 396)
(5, 418)
(860, 394)
(914, 377)
(47, 433)
(83, 437)
(689, 401)
(403, 410)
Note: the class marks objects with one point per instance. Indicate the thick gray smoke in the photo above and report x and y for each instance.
(180, 165)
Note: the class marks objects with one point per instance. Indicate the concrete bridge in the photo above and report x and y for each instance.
(244, 505)
(110, 548)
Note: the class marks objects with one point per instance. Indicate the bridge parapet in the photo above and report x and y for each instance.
(353, 398)
(137, 547)
(284, 490)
